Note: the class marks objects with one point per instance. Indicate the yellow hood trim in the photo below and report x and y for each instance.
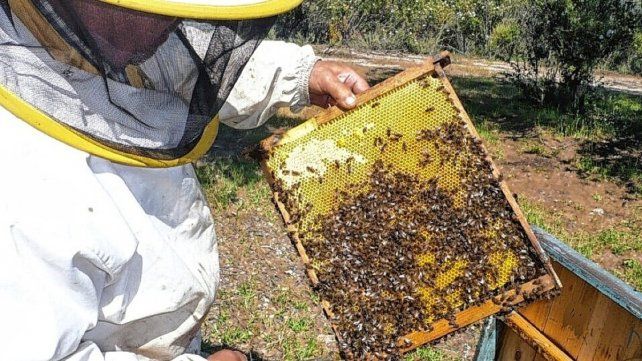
(41, 121)
(189, 10)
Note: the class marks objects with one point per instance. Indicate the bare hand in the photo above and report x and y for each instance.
(227, 355)
(333, 83)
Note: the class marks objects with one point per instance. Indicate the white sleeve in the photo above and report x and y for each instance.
(276, 76)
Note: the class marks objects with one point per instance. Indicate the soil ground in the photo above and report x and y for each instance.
(569, 183)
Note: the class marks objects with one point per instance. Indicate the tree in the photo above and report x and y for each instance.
(563, 41)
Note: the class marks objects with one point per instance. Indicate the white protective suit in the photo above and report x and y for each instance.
(100, 261)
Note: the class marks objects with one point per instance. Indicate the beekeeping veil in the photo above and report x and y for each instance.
(137, 82)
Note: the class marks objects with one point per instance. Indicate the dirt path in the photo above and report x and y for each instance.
(461, 66)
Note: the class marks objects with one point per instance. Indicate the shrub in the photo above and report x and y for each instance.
(563, 41)
(422, 26)
(504, 40)
(635, 56)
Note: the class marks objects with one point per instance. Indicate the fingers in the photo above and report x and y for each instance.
(333, 83)
(341, 93)
(356, 83)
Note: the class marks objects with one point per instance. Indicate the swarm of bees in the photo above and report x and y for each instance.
(399, 251)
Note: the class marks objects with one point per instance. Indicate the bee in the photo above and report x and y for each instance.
(404, 147)
(285, 172)
(426, 158)
(511, 299)
(395, 137)
(295, 173)
(424, 83)
(430, 109)
(337, 164)
(374, 105)
(311, 170)
(295, 187)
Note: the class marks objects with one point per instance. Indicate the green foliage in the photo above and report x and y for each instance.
(549, 33)
(410, 25)
(635, 54)
(562, 43)
(504, 39)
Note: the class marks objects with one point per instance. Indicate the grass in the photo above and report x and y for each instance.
(498, 102)
(625, 240)
(428, 354)
(610, 134)
(247, 293)
(223, 179)
(235, 336)
(535, 148)
(300, 350)
(299, 324)
(632, 273)
(488, 131)
(628, 170)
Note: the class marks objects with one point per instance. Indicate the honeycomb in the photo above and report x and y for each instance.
(408, 143)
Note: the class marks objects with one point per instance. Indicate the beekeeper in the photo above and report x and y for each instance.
(107, 246)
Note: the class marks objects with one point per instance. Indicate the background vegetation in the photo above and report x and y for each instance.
(473, 27)
(554, 46)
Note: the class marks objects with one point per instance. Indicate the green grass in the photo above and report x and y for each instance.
(247, 293)
(299, 324)
(535, 148)
(235, 336)
(428, 353)
(488, 131)
(300, 350)
(223, 178)
(632, 273)
(629, 170)
(497, 101)
(618, 241)
(624, 240)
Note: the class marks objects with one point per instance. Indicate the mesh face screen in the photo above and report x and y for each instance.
(148, 85)
(400, 215)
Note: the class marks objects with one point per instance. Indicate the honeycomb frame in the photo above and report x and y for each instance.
(430, 71)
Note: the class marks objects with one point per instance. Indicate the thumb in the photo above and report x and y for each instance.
(341, 93)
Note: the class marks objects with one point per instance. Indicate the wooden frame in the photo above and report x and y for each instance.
(465, 317)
